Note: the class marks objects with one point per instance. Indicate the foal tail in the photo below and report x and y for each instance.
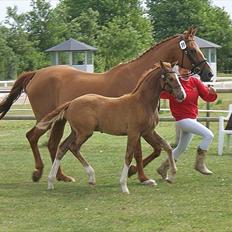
(49, 120)
(17, 89)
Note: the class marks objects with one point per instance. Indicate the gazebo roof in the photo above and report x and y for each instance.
(202, 43)
(71, 45)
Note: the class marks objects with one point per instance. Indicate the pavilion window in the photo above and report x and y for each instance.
(63, 58)
(78, 58)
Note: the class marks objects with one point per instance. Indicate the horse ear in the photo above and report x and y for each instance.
(190, 33)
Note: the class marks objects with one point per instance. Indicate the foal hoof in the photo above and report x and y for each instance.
(92, 184)
(132, 170)
(169, 179)
(36, 175)
(149, 182)
(65, 178)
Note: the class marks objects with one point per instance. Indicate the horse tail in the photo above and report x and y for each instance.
(49, 120)
(17, 89)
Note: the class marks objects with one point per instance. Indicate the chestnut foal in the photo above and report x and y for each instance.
(133, 114)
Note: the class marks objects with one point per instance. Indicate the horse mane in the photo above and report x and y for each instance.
(147, 51)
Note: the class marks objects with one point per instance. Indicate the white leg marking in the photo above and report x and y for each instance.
(149, 182)
(52, 174)
(91, 174)
(123, 179)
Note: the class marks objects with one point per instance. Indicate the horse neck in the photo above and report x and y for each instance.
(164, 51)
(149, 89)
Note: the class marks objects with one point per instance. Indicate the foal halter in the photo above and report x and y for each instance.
(164, 77)
(186, 51)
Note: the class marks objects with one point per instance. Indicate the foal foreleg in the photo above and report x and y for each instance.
(62, 149)
(132, 140)
(153, 139)
(156, 153)
(139, 161)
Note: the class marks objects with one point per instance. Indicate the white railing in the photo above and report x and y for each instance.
(7, 83)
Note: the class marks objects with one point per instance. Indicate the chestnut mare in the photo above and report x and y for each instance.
(133, 114)
(50, 87)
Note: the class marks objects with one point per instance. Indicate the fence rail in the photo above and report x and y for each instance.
(206, 119)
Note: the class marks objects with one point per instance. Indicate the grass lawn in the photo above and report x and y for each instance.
(194, 203)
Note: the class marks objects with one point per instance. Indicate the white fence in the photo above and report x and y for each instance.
(221, 87)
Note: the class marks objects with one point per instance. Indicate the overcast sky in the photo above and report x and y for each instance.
(24, 5)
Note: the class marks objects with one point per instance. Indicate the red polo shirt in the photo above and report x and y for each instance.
(189, 107)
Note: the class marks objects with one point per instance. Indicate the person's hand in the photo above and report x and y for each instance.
(212, 90)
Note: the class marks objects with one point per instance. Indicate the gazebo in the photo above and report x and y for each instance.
(210, 51)
(74, 53)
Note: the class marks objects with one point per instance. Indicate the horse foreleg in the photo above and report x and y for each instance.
(54, 140)
(33, 136)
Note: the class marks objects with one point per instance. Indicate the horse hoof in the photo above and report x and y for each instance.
(36, 175)
(132, 170)
(149, 182)
(65, 178)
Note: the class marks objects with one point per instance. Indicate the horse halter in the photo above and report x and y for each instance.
(186, 51)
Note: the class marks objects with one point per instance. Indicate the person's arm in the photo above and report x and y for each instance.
(206, 93)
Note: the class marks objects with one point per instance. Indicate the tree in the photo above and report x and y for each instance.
(8, 63)
(27, 55)
(122, 39)
(107, 9)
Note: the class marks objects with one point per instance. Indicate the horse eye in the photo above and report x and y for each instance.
(193, 51)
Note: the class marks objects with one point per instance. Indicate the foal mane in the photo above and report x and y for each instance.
(145, 77)
(147, 51)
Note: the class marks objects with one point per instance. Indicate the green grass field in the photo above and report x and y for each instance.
(194, 203)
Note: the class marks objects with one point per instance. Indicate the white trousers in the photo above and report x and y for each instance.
(187, 128)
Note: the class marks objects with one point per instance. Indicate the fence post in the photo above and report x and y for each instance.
(207, 113)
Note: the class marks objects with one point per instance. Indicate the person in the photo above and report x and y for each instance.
(185, 114)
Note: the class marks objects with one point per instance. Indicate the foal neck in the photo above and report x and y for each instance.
(149, 88)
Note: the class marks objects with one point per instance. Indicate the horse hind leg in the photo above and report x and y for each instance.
(54, 140)
(62, 149)
(33, 136)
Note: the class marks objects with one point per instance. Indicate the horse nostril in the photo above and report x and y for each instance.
(210, 74)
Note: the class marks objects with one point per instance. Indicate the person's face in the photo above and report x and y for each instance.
(183, 71)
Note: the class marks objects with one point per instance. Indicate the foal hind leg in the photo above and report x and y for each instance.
(62, 149)
(75, 149)
(33, 136)
(54, 140)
